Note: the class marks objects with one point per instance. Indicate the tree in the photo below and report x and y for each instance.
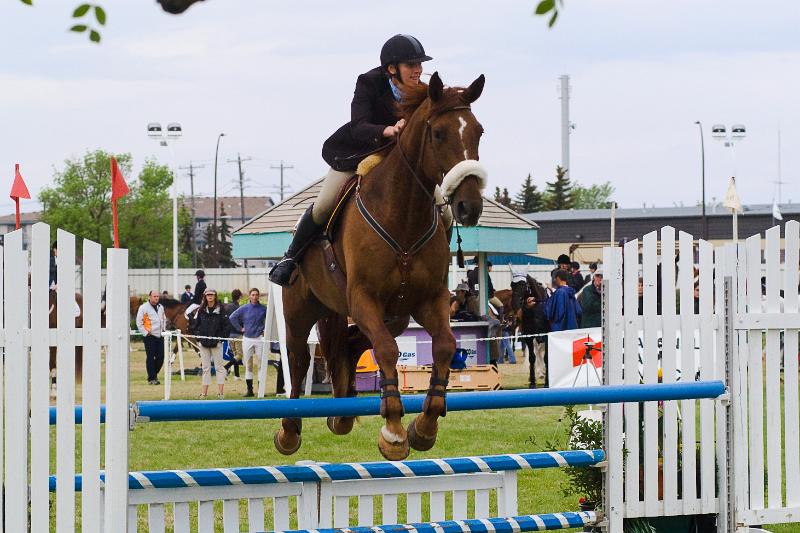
(209, 251)
(558, 194)
(502, 198)
(528, 199)
(216, 252)
(80, 202)
(224, 245)
(592, 197)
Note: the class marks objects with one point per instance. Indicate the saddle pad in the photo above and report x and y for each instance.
(368, 164)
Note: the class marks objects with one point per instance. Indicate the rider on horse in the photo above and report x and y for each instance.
(373, 124)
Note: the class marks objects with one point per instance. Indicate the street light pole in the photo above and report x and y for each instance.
(174, 132)
(703, 166)
(737, 133)
(216, 157)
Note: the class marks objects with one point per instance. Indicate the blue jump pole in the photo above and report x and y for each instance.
(185, 410)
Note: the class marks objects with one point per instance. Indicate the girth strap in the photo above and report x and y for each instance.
(393, 244)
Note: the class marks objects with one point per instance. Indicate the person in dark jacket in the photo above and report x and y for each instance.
(210, 320)
(577, 281)
(200, 287)
(591, 298)
(562, 309)
(562, 263)
(373, 123)
(235, 345)
(534, 322)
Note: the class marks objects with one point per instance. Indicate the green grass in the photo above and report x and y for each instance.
(187, 445)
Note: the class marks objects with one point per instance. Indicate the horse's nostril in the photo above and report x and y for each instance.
(461, 211)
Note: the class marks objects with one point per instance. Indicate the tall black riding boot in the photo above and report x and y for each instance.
(249, 393)
(307, 231)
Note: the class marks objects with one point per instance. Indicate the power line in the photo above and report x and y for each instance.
(191, 168)
(239, 162)
(282, 167)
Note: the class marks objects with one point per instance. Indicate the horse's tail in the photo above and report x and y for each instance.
(333, 343)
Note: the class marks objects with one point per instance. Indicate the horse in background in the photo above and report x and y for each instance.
(52, 319)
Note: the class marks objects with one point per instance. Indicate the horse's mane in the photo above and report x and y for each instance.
(169, 303)
(415, 96)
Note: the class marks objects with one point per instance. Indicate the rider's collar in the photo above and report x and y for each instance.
(395, 91)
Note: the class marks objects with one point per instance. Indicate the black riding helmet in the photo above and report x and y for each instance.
(403, 49)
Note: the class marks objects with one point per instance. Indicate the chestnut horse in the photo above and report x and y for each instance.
(391, 247)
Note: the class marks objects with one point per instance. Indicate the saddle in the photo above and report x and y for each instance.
(326, 240)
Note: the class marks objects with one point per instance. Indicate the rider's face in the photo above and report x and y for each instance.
(409, 72)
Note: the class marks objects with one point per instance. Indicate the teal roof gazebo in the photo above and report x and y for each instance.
(499, 231)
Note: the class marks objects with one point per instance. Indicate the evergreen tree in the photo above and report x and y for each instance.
(498, 197)
(558, 194)
(528, 199)
(224, 244)
(209, 252)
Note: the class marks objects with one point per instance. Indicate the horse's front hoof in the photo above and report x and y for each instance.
(340, 425)
(285, 445)
(394, 449)
(417, 441)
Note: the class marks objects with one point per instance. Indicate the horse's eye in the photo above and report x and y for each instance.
(438, 135)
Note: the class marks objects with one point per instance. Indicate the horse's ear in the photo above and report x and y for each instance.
(435, 87)
(474, 90)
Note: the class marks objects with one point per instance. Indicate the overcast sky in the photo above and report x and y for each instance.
(278, 77)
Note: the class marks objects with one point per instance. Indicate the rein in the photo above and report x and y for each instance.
(404, 256)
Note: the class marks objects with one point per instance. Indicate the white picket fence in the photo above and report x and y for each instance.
(683, 460)
(27, 339)
(324, 504)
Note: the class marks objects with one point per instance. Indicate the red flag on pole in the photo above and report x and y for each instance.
(18, 190)
(118, 189)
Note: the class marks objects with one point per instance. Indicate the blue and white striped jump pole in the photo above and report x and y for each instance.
(184, 410)
(515, 524)
(262, 475)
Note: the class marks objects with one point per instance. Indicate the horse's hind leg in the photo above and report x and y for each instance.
(299, 321)
(434, 317)
(333, 336)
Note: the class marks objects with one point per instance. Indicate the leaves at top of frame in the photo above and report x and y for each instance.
(100, 15)
(545, 6)
(81, 10)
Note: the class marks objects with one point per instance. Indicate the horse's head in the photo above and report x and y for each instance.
(450, 135)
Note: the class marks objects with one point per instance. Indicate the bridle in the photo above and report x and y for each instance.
(405, 255)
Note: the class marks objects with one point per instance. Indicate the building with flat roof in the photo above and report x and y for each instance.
(582, 233)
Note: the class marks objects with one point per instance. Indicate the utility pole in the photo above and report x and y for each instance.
(282, 167)
(239, 161)
(566, 125)
(191, 168)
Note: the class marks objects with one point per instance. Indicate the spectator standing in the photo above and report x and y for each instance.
(562, 309)
(590, 276)
(209, 320)
(235, 343)
(199, 287)
(53, 282)
(591, 298)
(577, 278)
(474, 282)
(250, 319)
(187, 297)
(150, 321)
(534, 322)
(562, 263)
